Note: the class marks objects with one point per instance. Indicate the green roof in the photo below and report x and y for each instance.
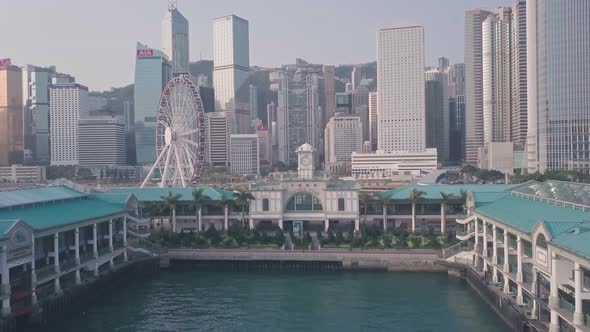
(6, 225)
(154, 194)
(63, 213)
(349, 185)
(433, 191)
(524, 214)
(37, 195)
(113, 198)
(576, 239)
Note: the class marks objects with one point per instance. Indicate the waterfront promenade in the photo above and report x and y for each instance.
(423, 260)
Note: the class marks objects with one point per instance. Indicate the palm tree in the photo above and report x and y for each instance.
(463, 196)
(224, 203)
(242, 198)
(170, 201)
(383, 202)
(414, 197)
(445, 198)
(198, 199)
(364, 200)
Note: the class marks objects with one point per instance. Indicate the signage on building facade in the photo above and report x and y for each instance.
(141, 53)
(5, 62)
(183, 75)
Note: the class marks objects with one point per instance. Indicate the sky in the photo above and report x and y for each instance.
(95, 40)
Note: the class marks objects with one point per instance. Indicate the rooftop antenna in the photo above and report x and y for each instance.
(172, 5)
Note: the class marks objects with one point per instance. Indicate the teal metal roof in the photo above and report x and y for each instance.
(577, 193)
(433, 191)
(524, 214)
(154, 194)
(6, 225)
(113, 198)
(575, 239)
(37, 195)
(349, 185)
(63, 213)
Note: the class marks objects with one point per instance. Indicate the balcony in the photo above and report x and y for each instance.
(567, 306)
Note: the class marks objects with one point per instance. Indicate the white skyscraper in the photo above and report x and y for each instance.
(68, 103)
(400, 83)
(244, 157)
(217, 139)
(231, 63)
(175, 42)
(343, 136)
(101, 141)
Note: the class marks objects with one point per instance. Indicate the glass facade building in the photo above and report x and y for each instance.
(559, 85)
(11, 116)
(152, 72)
(175, 42)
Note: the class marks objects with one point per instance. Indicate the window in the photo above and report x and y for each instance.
(541, 241)
(304, 202)
(265, 204)
(341, 204)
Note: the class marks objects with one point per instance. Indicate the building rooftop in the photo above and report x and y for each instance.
(433, 191)
(154, 194)
(20, 197)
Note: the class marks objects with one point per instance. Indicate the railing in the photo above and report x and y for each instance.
(68, 264)
(527, 277)
(87, 256)
(138, 242)
(512, 268)
(464, 233)
(586, 281)
(512, 243)
(564, 304)
(45, 271)
(457, 248)
(528, 251)
(587, 319)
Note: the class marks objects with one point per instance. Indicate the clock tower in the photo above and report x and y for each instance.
(305, 161)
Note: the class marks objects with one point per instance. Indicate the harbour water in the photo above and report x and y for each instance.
(243, 301)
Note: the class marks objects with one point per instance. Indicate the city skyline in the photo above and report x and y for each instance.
(102, 56)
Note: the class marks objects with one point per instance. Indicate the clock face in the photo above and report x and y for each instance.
(305, 161)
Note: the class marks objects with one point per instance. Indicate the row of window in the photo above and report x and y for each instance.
(303, 202)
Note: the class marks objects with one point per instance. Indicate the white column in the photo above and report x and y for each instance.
(95, 249)
(33, 273)
(77, 251)
(251, 223)
(443, 218)
(111, 247)
(225, 217)
(578, 314)
(357, 226)
(56, 261)
(199, 219)
(281, 224)
(519, 297)
(484, 241)
(326, 225)
(384, 218)
(125, 258)
(475, 247)
(494, 245)
(5, 282)
(554, 293)
(506, 267)
(554, 325)
(518, 259)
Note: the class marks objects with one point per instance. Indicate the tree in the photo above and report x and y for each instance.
(364, 201)
(445, 198)
(224, 203)
(383, 202)
(242, 198)
(463, 197)
(414, 197)
(469, 170)
(198, 200)
(170, 201)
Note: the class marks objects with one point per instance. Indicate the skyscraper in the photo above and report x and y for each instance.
(473, 83)
(152, 72)
(175, 41)
(69, 103)
(343, 136)
(101, 141)
(519, 74)
(373, 119)
(231, 63)
(11, 115)
(437, 109)
(329, 93)
(558, 62)
(400, 83)
(244, 159)
(297, 112)
(457, 112)
(217, 139)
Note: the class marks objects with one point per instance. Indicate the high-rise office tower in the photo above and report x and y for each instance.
(253, 104)
(373, 119)
(69, 103)
(473, 83)
(558, 62)
(152, 72)
(400, 83)
(457, 80)
(11, 116)
(175, 41)
(496, 39)
(101, 141)
(457, 112)
(297, 112)
(343, 136)
(231, 63)
(329, 93)
(437, 109)
(217, 139)
(244, 157)
(519, 74)
(264, 144)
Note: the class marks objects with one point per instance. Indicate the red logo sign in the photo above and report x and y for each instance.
(5, 62)
(145, 52)
(261, 127)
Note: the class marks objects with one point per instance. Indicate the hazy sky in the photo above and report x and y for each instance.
(95, 39)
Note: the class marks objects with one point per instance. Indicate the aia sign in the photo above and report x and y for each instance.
(5, 62)
(145, 53)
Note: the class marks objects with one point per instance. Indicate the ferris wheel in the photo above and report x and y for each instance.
(180, 135)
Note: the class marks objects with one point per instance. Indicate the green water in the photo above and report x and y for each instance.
(240, 301)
